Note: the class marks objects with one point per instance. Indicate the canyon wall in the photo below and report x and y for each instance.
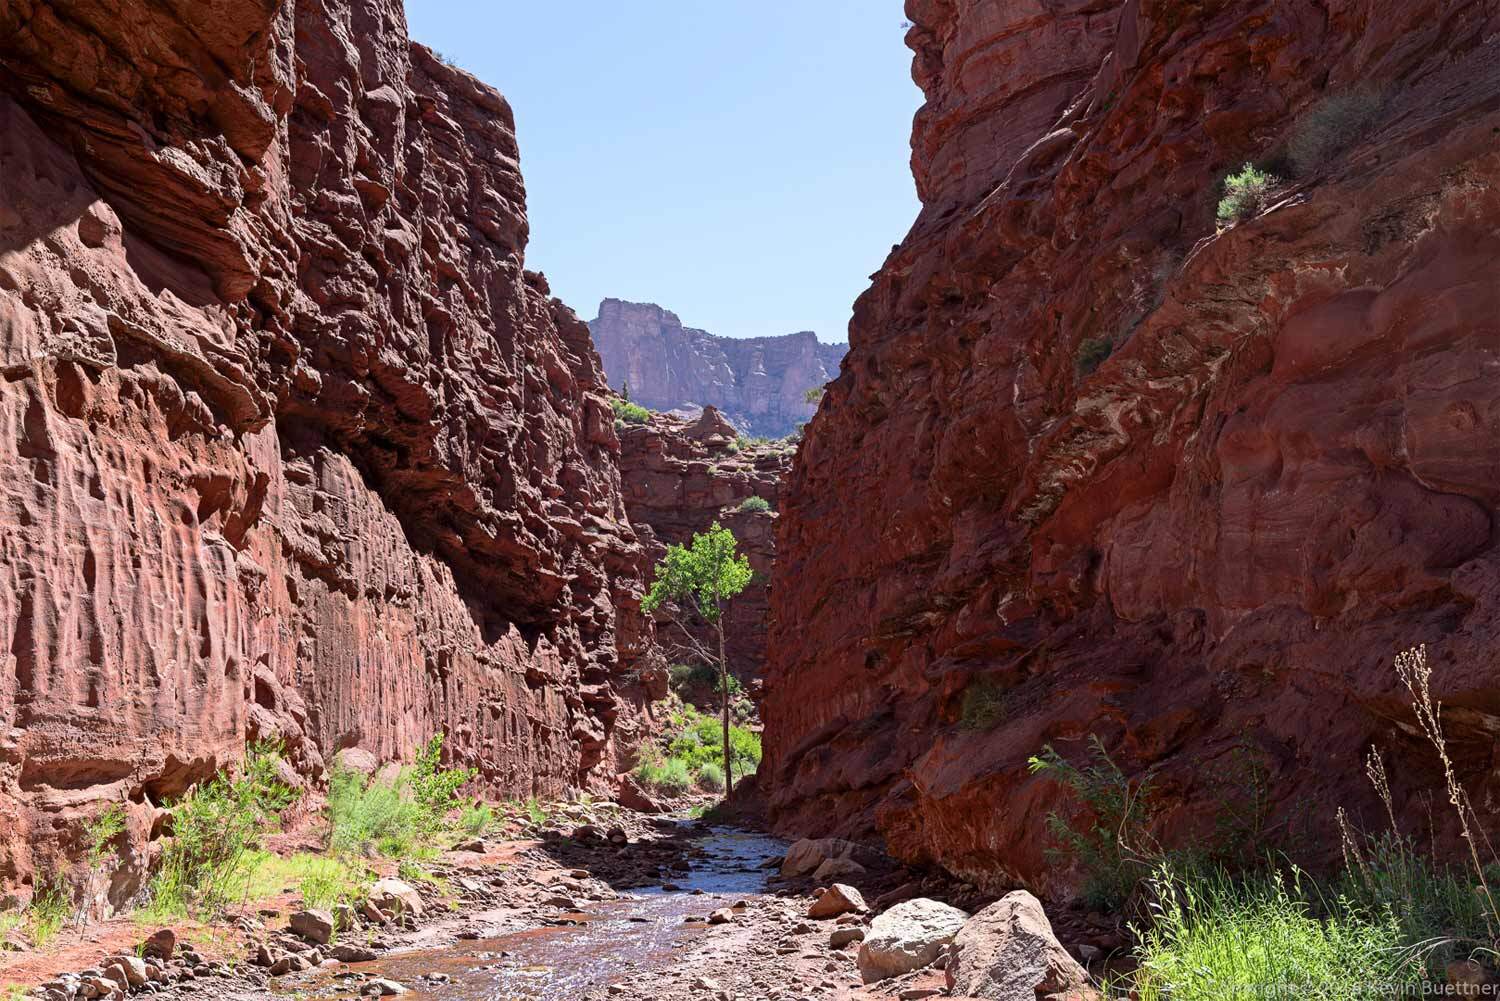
(291, 444)
(759, 383)
(680, 477)
(1207, 549)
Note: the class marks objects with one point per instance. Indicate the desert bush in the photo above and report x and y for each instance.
(1331, 126)
(709, 776)
(1114, 850)
(476, 819)
(666, 775)
(216, 827)
(49, 911)
(1092, 352)
(983, 704)
(630, 413)
(752, 505)
(1246, 194)
(396, 815)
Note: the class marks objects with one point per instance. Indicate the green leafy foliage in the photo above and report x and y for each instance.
(1109, 847)
(630, 413)
(216, 827)
(705, 574)
(751, 505)
(1246, 194)
(49, 911)
(813, 395)
(398, 815)
(694, 755)
(476, 819)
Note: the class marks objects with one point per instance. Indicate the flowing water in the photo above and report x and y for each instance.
(642, 930)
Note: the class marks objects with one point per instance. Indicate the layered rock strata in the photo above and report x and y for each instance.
(760, 384)
(1208, 548)
(292, 444)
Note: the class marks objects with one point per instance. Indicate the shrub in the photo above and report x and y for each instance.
(1214, 937)
(754, 505)
(1092, 352)
(666, 775)
(535, 813)
(709, 776)
(216, 826)
(983, 705)
(1246, 194)
(630, 413)
(434, 787)
(1331, 126)
(1110, 850)
(368, 814)
(476, 819)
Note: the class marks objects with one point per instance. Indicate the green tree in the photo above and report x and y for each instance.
(625, 391)
(702, 578)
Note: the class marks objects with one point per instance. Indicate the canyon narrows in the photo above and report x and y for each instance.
(294, 447)
(1098, 464)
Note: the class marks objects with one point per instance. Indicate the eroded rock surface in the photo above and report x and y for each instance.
(292, 445)
(1208, 548)
(759, 383)
(679, 477)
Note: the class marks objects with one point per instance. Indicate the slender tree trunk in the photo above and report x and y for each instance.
(724, 703)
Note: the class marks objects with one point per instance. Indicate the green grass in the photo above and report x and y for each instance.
(396, 816)
(630, 413)
(694, 756)
(476, 819)
(709, 776)
(322, 880)
(1215, 937)
(664, 775)
(535, 813)
(48, 913)
(1246, 194)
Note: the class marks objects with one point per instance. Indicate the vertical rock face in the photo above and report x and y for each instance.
(1207, 549)
(679, 478)
(293, 446)
(759, 383)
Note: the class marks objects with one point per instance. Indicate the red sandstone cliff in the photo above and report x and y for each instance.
(759, 383)
(1285, 472)
(679, 477)
(290, 442)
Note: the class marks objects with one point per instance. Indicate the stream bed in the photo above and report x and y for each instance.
(645, 929)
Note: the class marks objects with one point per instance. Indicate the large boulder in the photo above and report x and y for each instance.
(313, 924)
(805, 856)
(356, 759)
(837, 899)
(907, 937)
(395, 897)
(1008, 952)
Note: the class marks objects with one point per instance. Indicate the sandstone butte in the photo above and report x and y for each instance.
(1208, 549)
(761, 384)
(293, 445)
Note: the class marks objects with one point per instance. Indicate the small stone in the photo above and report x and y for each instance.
(722, 916)
(840, 899)
(380, 987)
(281, 966)
(843, 936)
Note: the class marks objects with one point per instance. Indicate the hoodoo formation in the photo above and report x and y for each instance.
(1099, 463)
(293, 444)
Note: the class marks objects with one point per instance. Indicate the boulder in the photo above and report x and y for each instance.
(134, 969)
(804, 857)
(840, 898)
(835, 868)
(313, 924)
(395, 897)
(633, 797)
(907, 937)
(161, 944)
(1007, 951)
(351, 953)
(381, 987)
(356, 759)
(843, 936)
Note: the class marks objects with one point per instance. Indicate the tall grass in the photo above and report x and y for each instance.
(1216, 937)
(397, 816)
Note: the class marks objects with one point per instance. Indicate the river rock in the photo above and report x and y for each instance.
(162, 944)
(394, 896)
(804, 857)
(907, 937)
(834, 868)
(840, 898)
(381, 987)
(313, 924)
(1007, 951)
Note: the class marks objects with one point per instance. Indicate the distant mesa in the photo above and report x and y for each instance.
(759, 383)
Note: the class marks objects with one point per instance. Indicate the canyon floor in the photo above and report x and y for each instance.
(681, 909)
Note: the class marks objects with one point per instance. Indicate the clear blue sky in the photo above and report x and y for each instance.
(741, 162)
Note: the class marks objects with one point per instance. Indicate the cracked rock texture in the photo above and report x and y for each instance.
(759, 383)
(679, 477)
(1208, 549)
(291, 445)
